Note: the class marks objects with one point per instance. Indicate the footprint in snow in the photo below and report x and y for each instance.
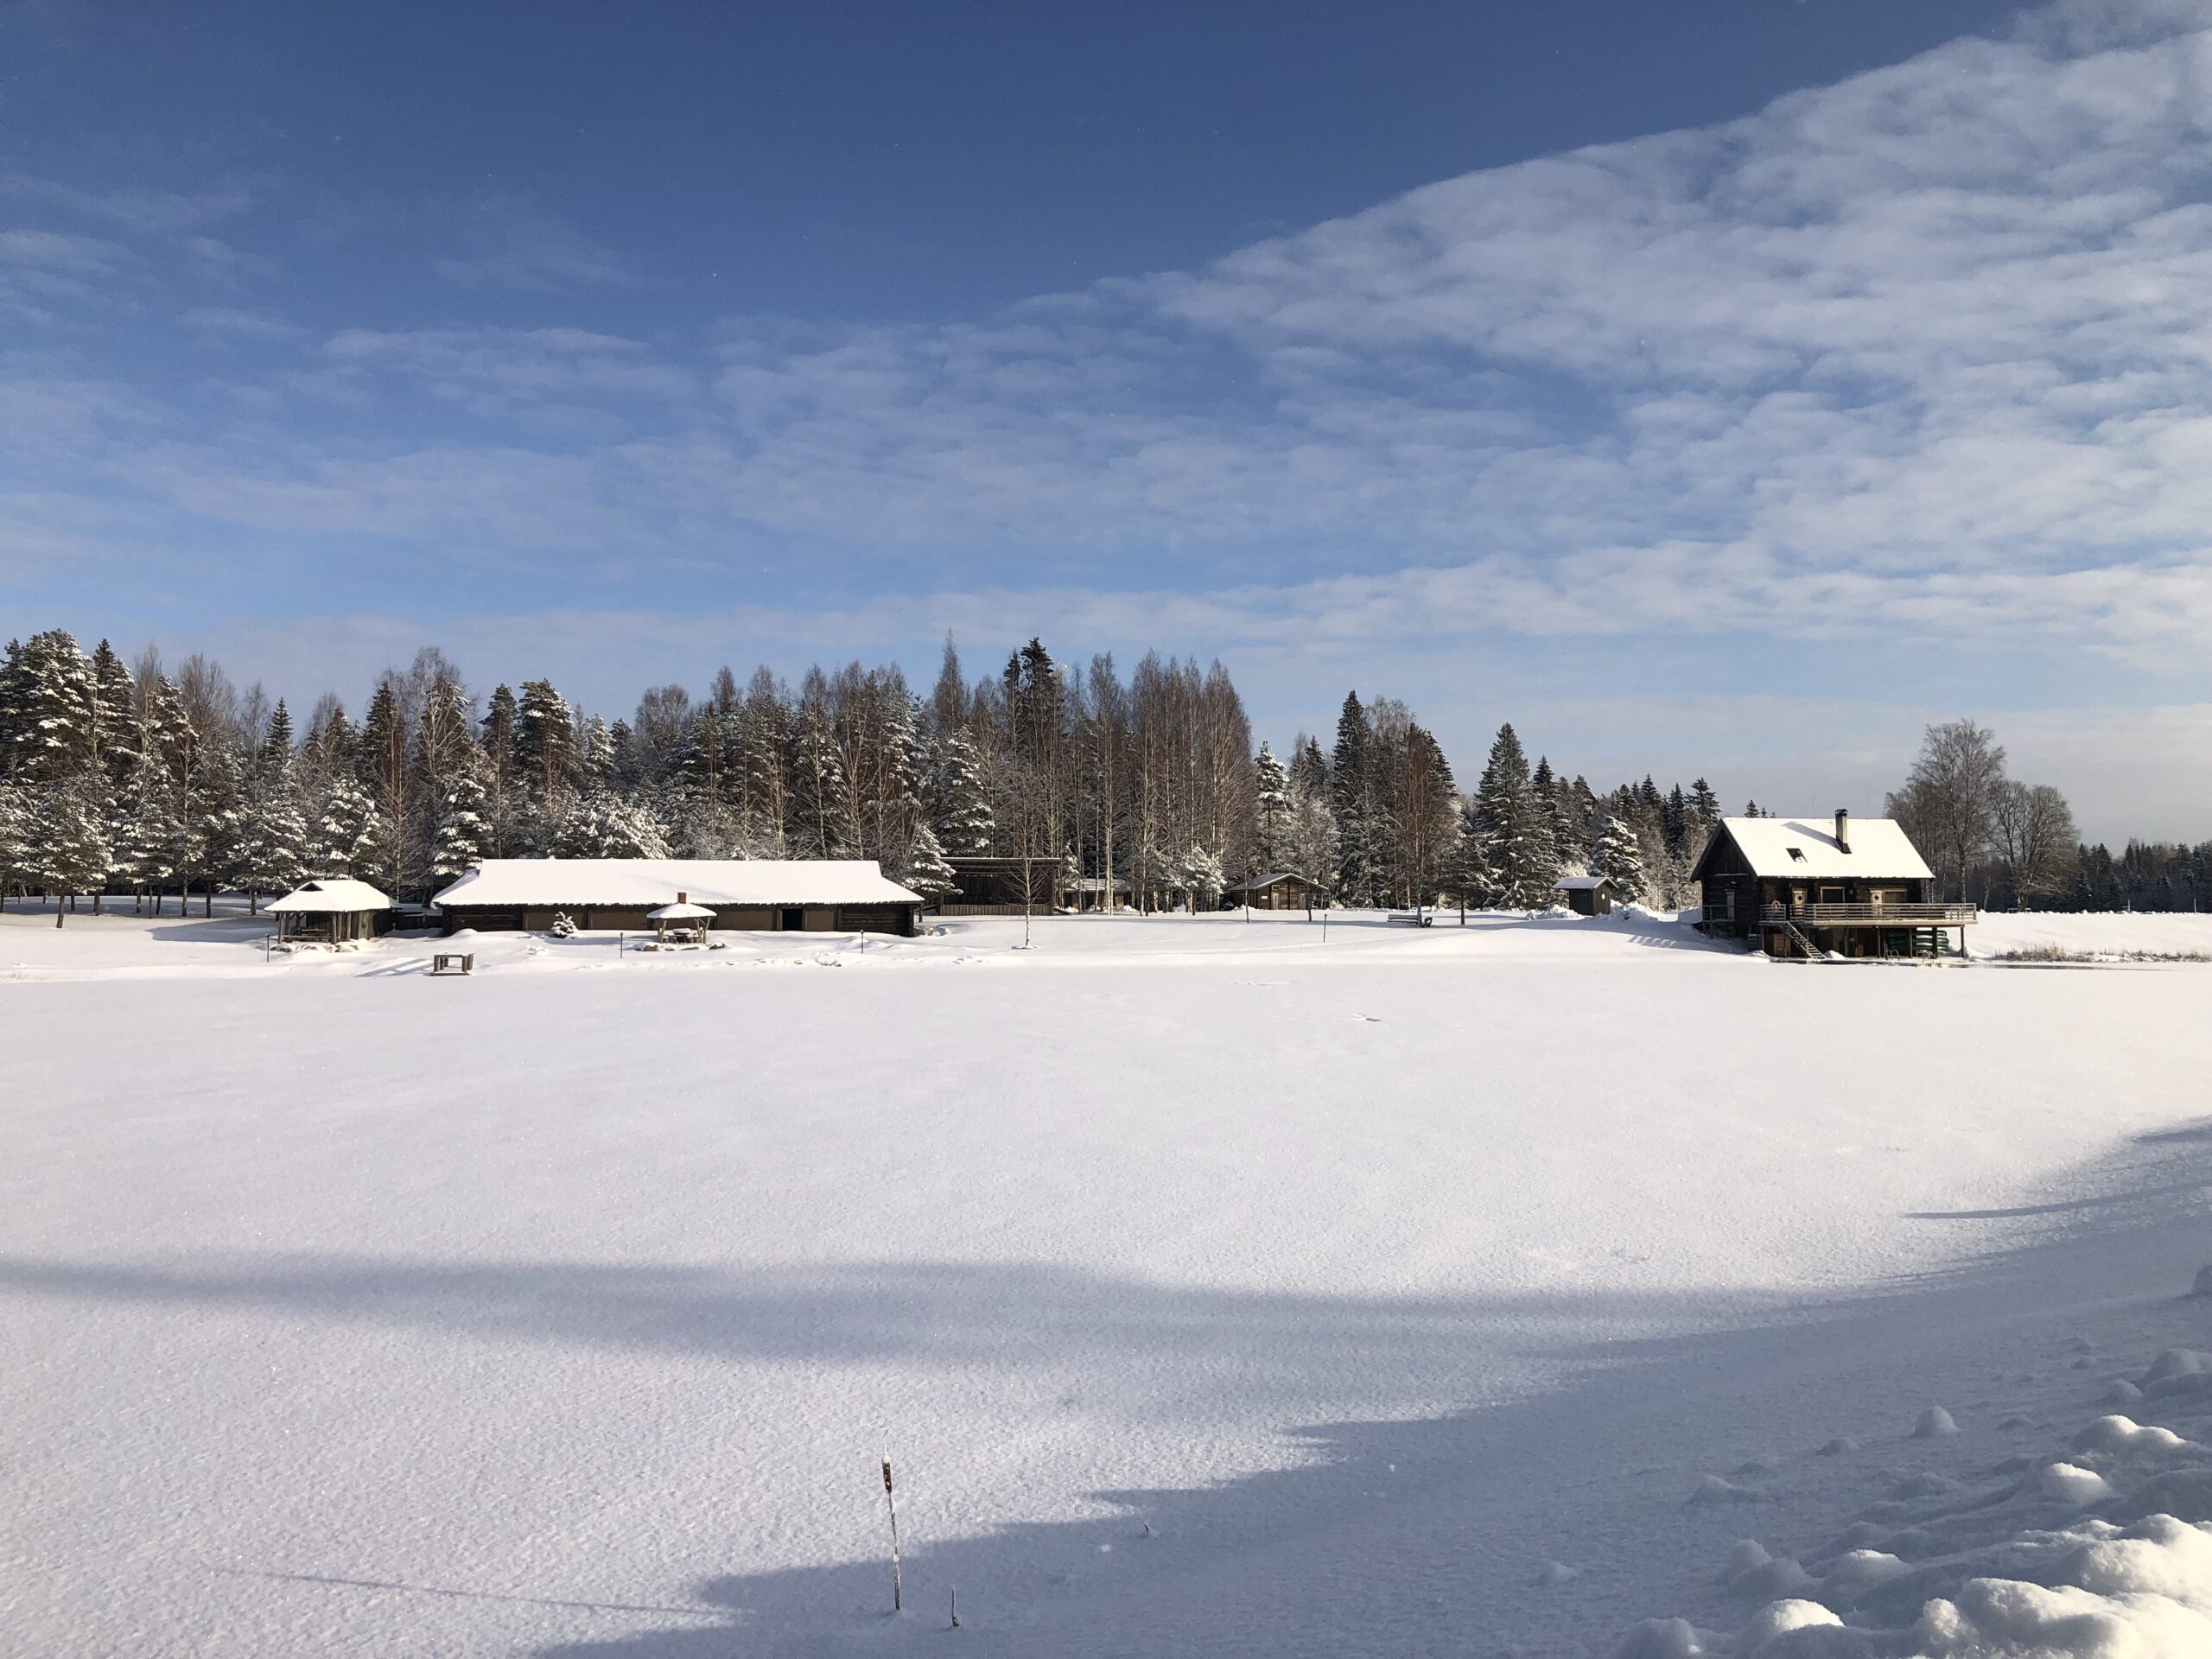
(1369, 1019)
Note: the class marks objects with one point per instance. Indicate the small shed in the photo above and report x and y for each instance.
(1277, 890)
(333, 908)
(689, 920)
(1586, 895)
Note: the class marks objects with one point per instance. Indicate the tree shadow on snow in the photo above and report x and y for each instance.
(1419, 1537)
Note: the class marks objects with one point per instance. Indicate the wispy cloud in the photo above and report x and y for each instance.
(516, 242)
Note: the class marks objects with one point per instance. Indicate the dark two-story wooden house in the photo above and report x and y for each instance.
(1819, 887)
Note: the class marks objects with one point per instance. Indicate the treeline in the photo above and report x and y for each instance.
(2009, 845)
(133, 777)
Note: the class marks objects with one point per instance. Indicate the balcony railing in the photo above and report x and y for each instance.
(1899, 915)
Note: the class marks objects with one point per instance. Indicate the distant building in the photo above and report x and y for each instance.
(1586, 895)
(1002, 886)
(768, 895)
(335, 909)
(1277, 890)
(1810, 887)
(1094, 892)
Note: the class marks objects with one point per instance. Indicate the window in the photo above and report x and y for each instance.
(1797, 854)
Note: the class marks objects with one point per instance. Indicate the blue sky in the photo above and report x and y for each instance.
(1722, 388)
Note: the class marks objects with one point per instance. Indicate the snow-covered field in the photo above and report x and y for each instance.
(1216, 1288)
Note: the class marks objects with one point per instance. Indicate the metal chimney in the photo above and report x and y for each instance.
(1843, 829)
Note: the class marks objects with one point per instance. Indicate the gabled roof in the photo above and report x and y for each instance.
(516, 883)
(1268, 881)
(1793, 848)
(330, 895)
(1581, 883)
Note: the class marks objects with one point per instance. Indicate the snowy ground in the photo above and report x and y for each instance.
(1216, 1289)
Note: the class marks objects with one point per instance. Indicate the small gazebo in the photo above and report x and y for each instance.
(333, 908)
(688, 919)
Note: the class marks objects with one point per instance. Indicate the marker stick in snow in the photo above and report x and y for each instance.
(891, 1503)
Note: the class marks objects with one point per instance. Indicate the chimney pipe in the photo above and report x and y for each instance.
(685, 897)
(1843, 828)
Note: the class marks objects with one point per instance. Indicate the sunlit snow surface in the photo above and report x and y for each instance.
(1216, 1288)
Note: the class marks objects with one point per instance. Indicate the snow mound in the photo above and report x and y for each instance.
(1934, 1423)
(1778, 1618)
(2123, 1436)
(2103, 1551)
(2071, 1483)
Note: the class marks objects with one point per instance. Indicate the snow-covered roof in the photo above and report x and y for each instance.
(326, 895)
(680, 912)
(1578, 883)
(1791, 847)
(507, 883)
(1268, 880)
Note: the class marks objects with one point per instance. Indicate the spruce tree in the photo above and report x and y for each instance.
(1619, 859)
(546, 740)
(1352, 780)
(926, 871)
(1472, 877)
(347, 832)
(964, 821)
(149, 829)
(68, 846)
(272, 855)
(1516, 826)
(214, 815)
(464, 834)
(1198, 874)
(49, 710)
(115, 699)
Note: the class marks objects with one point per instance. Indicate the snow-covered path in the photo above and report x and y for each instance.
(566, 1308)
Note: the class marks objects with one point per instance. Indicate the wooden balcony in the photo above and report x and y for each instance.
(1870, 915)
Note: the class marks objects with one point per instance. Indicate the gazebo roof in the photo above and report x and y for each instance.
(682, 911)
(330, 895)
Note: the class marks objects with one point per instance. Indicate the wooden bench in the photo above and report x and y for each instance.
(452, 962)
(1411, 918)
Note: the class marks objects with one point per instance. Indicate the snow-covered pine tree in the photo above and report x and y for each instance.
(926, 871)
(1555, 811)
(1472, 877)
(602, 826)
(962, 810)
(1705, 809)
(821, 818)
(1353, 799)
(1619, 858)
(546, 740)
(67, 850)
(1516, 827)
(49, 710)
(503, 791)
(116, 698)
(214, 812)
(608, 755)
(1271, 805)
(346, 833)
(1198, 874)
(148, 829)
(272, 855)
(464, 835)
(763, 763)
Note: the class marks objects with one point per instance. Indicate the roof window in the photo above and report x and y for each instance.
(1797, 853)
